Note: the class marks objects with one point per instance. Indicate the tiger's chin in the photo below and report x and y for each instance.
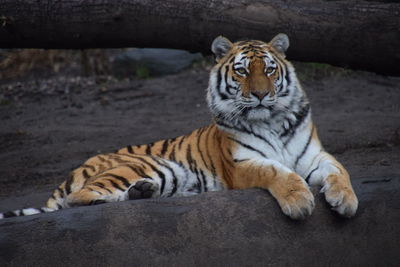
(257, 114)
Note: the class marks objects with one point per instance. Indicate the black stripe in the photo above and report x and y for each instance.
(102, 186)
(222, 95)
(305, 148)
(258, 136)
(280, 78)
(138, 171)
(101, 158)
(172, 155)
(213, 171)
(164, 147)
(85, 174)
(199, 184)
(180, 142)
(116, 185)
(228, 87)
(248, 147)
(130, 150)
(240, 160)
(287, 76)
(172, 152)
(245, 130)
(148, 148)
(196, 187)
(174, 177)
(227, 151)
(94, 190)
(120, 178)
(175, 186)
(283, 66)
(89, 166)
(70, 180)
(189, 157)
(60, 191)
(309, 175)
(203, 177)
(9, 214)
(300, 117)
(118, 159)
(198, 149)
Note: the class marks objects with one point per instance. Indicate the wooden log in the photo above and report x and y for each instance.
(357, 34)
(231, 228)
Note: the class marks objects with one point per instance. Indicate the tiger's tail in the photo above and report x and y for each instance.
(24, 212)
(55, 202)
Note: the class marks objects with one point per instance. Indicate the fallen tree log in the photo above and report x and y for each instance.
(355, 34)
(231, 228)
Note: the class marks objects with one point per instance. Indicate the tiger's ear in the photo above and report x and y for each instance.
(280, 43)
(220, 47)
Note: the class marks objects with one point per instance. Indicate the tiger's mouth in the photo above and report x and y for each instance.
(263, 105)
(259, 107)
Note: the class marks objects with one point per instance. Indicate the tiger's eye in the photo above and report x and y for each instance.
(241, 71)
(269, 70)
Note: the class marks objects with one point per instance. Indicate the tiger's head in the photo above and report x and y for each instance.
(251, 79)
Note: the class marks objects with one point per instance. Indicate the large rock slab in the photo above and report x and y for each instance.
(231, 228)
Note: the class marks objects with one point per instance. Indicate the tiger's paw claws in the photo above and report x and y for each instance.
(298, 204)
(342, 199)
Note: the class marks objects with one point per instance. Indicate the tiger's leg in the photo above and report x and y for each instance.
(289, 189)
(79, 177)
(143, 177)
(326, 171)
(107, 189)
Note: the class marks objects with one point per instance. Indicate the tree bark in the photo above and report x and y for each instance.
(357, 34)
(231, 228)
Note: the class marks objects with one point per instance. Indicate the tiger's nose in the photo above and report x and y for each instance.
(260, 95)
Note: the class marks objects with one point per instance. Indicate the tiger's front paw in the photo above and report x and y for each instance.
(340, 195)
(297, 203)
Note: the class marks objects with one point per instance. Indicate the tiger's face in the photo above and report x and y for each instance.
(249, 79)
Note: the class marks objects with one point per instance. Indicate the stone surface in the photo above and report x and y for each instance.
(231, 228)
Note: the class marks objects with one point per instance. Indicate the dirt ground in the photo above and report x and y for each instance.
(51, 123)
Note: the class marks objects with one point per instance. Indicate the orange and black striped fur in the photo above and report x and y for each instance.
(262, 136)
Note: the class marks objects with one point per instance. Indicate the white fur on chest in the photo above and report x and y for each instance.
(272, 146)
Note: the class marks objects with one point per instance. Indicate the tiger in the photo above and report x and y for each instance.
(261, 135)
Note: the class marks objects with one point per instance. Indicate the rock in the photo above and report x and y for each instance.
(152, 61)
(230, 228)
